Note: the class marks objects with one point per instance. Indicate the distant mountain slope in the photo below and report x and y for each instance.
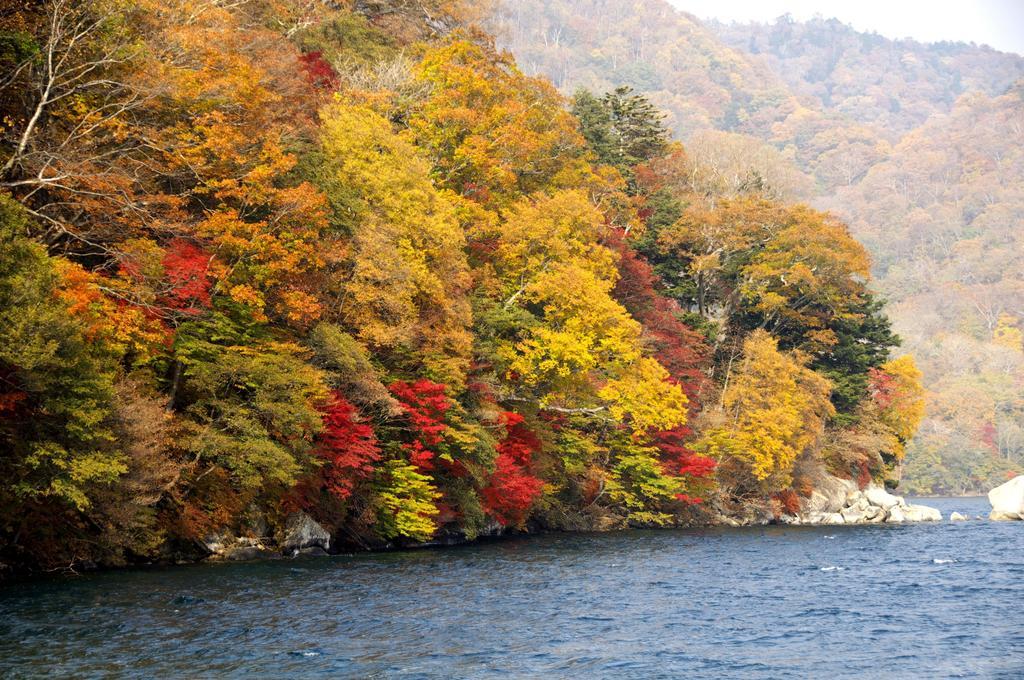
(944, 213)
(669, 55)
(892, 84)
(917, 146)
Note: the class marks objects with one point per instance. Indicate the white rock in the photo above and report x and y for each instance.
(957, 517)
(829, 495)
(896, 515)
(921, 513)
(876, 495)
(812, 518)
(1008, 500)
(852, 515)
(879, 516)
(218, 542)
(833, 518)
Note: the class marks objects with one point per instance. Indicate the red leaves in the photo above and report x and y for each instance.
(789, 500)
(989, 434)
(680, 461)
(425, 404)
(680, 349)
(863, 475)
(318, 72)
(185, 268)
(883, 387)
(348, 447)
(512, 489)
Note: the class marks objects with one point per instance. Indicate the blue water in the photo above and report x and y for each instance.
(913, 601)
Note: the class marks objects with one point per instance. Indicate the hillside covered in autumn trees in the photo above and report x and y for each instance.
(277, 256)
(915, 146)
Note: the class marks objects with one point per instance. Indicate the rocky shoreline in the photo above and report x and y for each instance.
(835, 502)
(838, 501)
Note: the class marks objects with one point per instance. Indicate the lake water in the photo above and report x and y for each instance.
(912, 601)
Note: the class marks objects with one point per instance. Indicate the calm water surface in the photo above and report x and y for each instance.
(915, 601)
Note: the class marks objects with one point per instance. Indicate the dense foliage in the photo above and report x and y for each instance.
(916, 146)
(276, 256)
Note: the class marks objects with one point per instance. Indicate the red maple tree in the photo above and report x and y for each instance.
(512, 489)
(185, 269)
(348, 448)
(425, 404)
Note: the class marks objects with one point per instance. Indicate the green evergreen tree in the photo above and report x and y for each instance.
(623, 128)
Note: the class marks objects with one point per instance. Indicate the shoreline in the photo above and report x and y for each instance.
(13, 578)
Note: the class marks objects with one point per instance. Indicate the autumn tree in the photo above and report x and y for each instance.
(491, 132)
(773, 410)
(512, 487)
(406, 280)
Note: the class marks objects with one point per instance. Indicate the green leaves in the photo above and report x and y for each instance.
(624, 129)
(253, 405)
(58, 380)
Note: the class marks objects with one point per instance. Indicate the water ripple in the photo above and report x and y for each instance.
(932, 600)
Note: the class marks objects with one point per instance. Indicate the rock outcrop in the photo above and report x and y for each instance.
(1008, 500)
(839, 501)
(227, 546)
(301, 535)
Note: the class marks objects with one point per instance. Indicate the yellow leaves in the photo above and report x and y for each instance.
(645, 397)
(585, 339)
(246, 295)
(903, 406)
(706, 263)
(264, 235)
(812, 258)
(123, 326)
(300, 308)
(552, 356)
(582, 328)
(543, 230)
(1008, 333)
(775, 409)
(406, 502)
(408, 273)
(487, 125)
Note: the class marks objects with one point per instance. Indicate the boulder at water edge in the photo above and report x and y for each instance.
(957, 517)
(301, 533)
(1008, 500)
(881, 498)
(839, 501)
(922, 513)
(829, 496)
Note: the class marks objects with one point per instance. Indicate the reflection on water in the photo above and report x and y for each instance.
(939, 600)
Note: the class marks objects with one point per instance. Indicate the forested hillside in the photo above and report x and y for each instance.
(914, 145)
(268, 258)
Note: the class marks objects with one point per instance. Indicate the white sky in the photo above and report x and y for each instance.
(999, 23)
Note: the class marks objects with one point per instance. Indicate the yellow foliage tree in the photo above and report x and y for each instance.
(898, 393)
(408, 278)
(774, 409)
(1008, 333)
(492, 132)
(583, 350)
